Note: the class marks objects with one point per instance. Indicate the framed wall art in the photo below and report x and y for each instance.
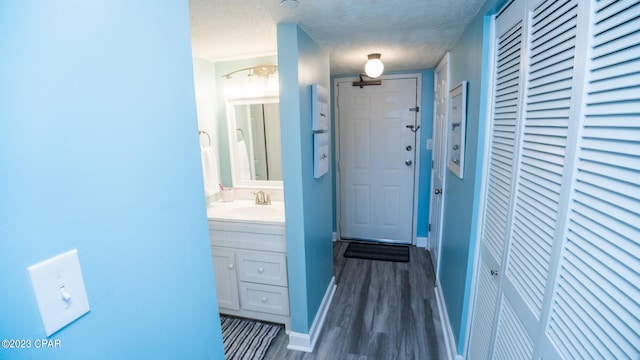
(456, 128)
(319, 108)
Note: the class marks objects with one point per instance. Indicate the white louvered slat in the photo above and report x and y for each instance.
(512, 342)
(595, 309)
(484, 317)
(551, 27)
(613, 8)
(614, 134)
(547, 96)
(503, 138)
(547, 88)
(606, 73)
(619, 43)
(536, 208)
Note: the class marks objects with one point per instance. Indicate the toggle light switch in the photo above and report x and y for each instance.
(59, 289)
(65, 295)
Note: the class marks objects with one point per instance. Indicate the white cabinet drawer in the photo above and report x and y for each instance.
(264, 298)
(262, 267)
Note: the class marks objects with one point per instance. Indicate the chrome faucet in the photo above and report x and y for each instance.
(262, 198)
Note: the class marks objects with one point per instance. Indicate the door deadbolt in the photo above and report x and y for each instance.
(437, 191)
(408, 162)
(408, 148)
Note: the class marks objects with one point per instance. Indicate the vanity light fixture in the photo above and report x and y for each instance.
(289, 4)
(230, 88)
(273, 82)
(260, 80)
(374, 66)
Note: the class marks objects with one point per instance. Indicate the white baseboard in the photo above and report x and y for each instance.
(334, 236)
(307, 342)
(447, 332)
(422, 242)
(299, 342)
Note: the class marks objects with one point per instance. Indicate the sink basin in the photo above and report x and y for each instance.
(256, 211)
(246, 210)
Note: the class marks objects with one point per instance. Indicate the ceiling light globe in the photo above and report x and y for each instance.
(374, 66)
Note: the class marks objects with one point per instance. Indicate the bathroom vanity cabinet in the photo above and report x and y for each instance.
(250, 266)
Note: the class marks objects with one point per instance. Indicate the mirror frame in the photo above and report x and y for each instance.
(230, 104)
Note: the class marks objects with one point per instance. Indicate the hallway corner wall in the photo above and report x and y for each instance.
(308, 201)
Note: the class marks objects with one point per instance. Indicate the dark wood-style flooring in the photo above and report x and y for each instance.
(381, 310)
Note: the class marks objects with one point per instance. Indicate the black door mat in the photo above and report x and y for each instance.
(396, 253)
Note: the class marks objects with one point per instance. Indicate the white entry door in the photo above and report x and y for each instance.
(378, 127)
(441, 87)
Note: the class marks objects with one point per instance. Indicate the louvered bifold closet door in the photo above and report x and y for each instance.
(544, 142)
(503, 134)
(540, 173)
(595, 309)
(497, 206)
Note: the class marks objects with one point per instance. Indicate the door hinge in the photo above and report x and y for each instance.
(432, 164)
(416, 109)
(429, 227)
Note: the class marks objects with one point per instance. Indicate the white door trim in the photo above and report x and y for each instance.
(437, 238)
(336, 127)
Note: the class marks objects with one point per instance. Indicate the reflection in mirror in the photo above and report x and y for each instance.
(254, 141)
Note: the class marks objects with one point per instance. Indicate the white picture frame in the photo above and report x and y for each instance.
(456, 129)
(319, 108)
(321, 148)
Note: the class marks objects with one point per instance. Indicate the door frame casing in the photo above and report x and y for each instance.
(445, 61)
(418, 147)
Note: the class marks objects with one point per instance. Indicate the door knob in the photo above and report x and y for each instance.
(437, 191)
(408, 148)
(494, 272)
(408, 162)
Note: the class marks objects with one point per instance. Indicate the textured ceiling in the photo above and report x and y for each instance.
(410, 35)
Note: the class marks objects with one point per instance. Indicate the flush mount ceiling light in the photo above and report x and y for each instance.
(374, 66)
(289, 4)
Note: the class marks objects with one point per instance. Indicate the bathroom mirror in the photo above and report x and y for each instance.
(254, 142)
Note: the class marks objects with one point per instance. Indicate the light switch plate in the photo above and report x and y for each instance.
(429, 144)
(59, 288)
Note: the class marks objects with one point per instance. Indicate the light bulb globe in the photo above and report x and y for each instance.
(374, 66)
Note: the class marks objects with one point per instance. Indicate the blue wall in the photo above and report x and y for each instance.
(308, 201)
(468, 62)
(99, 152)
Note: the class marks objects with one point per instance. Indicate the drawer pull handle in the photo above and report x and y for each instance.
(260, 269)
(230, 266)
(264, 299)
